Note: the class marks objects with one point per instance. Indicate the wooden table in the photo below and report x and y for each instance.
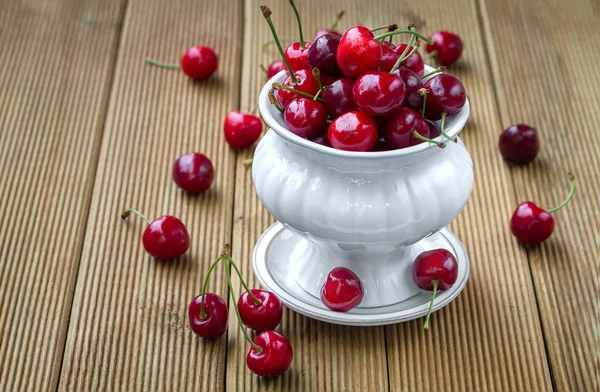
(87, 129)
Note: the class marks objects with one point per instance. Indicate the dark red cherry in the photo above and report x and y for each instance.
(327, 80)
(275, 67)
(193, 172)
(413, 84)
(414, 62)
(445, 94)
(211, 324)
(241, 130)
(337, 97)
(397, 128)
(297, 56)
(388, 57)
(342, 290)
(358, 52)
(447, 47)
(199, 62)
(519, 143)
(531, 224)
(322, 32)
(306, 83)
(275, 356)
(261, 316)
(378, 93)
(353, 131)
(321, 54)
(434, 130)
(305, 117)
(320, 139)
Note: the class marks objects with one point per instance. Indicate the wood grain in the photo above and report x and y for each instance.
(56, 67)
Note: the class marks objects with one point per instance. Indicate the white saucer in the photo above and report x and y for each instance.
(271, 261)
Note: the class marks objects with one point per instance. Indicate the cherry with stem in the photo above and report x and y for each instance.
(266, 11)
(279, 86)
(406, 54)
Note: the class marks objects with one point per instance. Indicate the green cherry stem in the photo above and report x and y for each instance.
(128, 212)
(396, 32)
(435, 71)
(161, 64)
(299, 24)
(405, 55)
(430, 55)
(243, 282)
(391, 27)
(281, 39)
(443, 131)
(266, 11)
(248, 162)
(317, 74)
(423, 92)
(569, 197)
(336, 21)
(205, 284)
(279, 86)
(274, 102)
(435, 283)
(417, 135)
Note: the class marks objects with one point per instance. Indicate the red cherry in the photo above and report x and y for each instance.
(413, 83)
(398, 128)
(193, 172)
(263, 316)
(337, 97)
(352, 131)
(199, 62)
(241, 130)
(519, 143)
(297, 56)
(358, 52)
(321, 32)
(305, 117)
(447, 47)
(342, 291)
(213, 323)
(307, 83)
(388, 57)
(445, 94)
(415, 62)
(275, 67)
(378, 93)
(275, 356)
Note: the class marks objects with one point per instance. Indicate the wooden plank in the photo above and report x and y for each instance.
(129, 328)
(540, 52)
(56, 69)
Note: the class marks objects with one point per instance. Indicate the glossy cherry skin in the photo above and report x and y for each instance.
(274, 359)
(166, 238)
(241, 130)
(437, 264)
(305, 117)
(193, 172)
(388, 57)
(322, 32)
(358, 52)
(353, 131)
(296, 56)
(378, 93)
(215, 323)
(321, 54)
(397, 128)
(434, 130)
(415, 62)
(519, 143)
(263, 316)
(342, 290)
(413, 84)
(446, 94)
(199, 62)
(306, 83)
(275, 67)
(337, 97)
(531, 224)
(447, 45)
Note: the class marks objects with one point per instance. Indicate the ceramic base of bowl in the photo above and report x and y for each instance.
(282, 257)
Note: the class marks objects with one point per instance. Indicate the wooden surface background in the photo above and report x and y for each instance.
(86, 129)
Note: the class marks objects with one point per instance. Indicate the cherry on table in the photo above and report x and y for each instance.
(531, 224)
(273, 356)
(353, 131)
(166, 238)
(198, 62)
(193, 172)
(262, 315)
(337, 97)
(414, 62)
(413, 83)
(275, 67)
(446, 94)
(241, 130)
(434, 270)
(305, 117)
(321, 54)
(358, 52)
(446, 49)
(378, 93)
(208, 320)
(519, 143)
(305, 82)
(342, 290)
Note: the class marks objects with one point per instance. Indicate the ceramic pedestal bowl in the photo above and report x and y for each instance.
(372, 212)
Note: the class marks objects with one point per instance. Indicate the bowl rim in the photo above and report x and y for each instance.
(267, 112)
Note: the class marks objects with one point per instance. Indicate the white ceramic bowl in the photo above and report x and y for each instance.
(362, 210)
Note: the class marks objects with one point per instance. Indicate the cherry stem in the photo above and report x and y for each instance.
(161, 64)
(205, 284)
(317, 74)
(264, 70)
(569, 197)
(281, 39)
(391, 27)
(435, 71)
(336, 21)
(227, 262)
(424, 93)
(239, 274)
(442, 130)
(430, 55)
(267, 14)
(390, 40)
(279, 86)
(128, 212)
(417, 135)
(299, 23)
(405, 55)
(396, 32)
(274, 102)
(435, 283)
(248, 162)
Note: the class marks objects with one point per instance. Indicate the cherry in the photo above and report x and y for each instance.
(320, 139)
(166, 238)
(434, 130)
(342, 291)
(198, 62)
(193, 172)
(378, 93)
(297, 55)
(413, 84)
(208, 320)
(403, 128)
(358, 52)
(352, 131)
(519, 143)
(321, 54)
(445, 94)
(414, 62)
(532, 224)
(272, 355)
(305, 117)
(434, 270)
(275, 67)
(241, 130)
(337, 97)
(446, 49)
(388, 57)
(261, 313)
(331, 30)
(306, 83)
